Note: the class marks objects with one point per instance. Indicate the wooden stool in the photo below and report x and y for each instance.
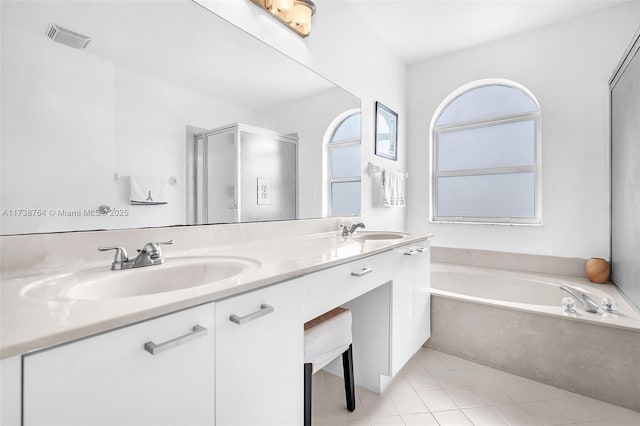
(326, 337)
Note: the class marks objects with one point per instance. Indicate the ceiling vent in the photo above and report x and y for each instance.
(67, 37)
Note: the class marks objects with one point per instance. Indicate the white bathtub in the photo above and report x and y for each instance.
(529, 292)
(513, 321)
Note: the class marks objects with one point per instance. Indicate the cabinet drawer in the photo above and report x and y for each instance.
(324, 290)
(110, 379)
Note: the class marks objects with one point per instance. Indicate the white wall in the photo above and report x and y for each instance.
(567, 66)
(150, 140)
(72, 119)
(345, 50)
(57, 134)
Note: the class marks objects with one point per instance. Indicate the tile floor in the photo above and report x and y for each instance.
(439, 389)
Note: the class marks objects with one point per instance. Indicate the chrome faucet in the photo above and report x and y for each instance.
(588, 304)
(347, 232)
(149, 255)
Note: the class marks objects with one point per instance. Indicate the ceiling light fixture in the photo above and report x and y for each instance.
(295, 14)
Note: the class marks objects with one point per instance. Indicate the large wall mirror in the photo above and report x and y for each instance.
(169, 116)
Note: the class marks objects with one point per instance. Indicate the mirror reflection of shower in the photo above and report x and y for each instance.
(242, 173)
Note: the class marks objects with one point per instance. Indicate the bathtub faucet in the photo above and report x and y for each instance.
(588, 303)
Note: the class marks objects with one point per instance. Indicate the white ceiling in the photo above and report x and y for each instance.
(175, 41)
(416, 30)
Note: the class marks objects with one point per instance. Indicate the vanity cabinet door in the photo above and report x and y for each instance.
(421, 296)
(10, 390)
(112, 380)
(260, 357)
(403, 307)
(411, 302)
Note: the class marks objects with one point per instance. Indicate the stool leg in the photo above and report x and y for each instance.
(308, 371)
(349, 385)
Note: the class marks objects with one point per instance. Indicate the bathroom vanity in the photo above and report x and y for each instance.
(229, 352)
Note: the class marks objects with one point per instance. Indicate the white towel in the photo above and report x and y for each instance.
(377, 190)
(146, 190)
(394, 184)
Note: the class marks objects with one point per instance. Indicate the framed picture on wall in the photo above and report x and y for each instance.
(386, 132)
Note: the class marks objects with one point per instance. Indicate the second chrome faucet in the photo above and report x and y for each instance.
(348, 231)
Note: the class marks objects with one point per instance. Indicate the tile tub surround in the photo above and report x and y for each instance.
(574, 267)
(435, 388)
(529, 292)
(592, 354)
(590, 359)
(284, 251)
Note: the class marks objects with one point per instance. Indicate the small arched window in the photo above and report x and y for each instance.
(485, 155)
(343, 165)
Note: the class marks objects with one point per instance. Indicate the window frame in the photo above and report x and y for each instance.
(329, 145)
(536, 168)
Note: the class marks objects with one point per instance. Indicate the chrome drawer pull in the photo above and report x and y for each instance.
(422, 249)
(153, 349)
(364, 271)
(264, 310)
(411, 253)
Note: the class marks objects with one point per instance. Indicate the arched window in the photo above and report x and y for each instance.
(342, 195)
(485, 155)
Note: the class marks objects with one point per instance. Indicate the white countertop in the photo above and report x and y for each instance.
(31, 323)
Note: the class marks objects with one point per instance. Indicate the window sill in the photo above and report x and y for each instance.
(466, 222)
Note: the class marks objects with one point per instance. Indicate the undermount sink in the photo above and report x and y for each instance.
(377, 236)
(175, 274)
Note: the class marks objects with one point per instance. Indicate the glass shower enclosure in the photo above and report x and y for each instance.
(625, 173)
(242, 173)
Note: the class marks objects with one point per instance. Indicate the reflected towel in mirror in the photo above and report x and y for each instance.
(146, 190)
